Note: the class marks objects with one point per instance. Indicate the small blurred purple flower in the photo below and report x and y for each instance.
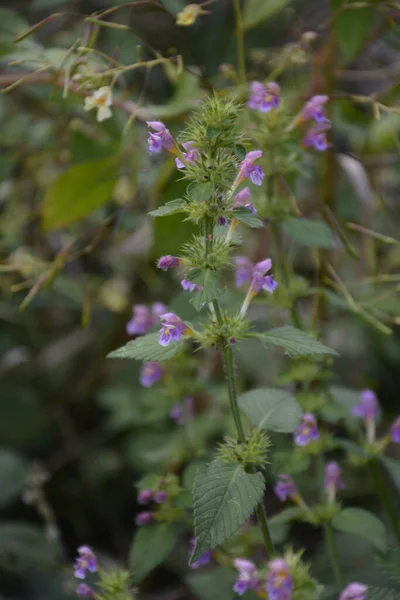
(256, 274)
(161, 139)
(354, 591)
(167, 262)
(248, 169)
(307, 431)
(176, 414)
(84, 591)
(160, 497)
(242, 197)
(172, 329)
(191, 155)
(316, 136)
(158, 309)
(188, 286)
(264, 97)
(204, 560)
(395, 431)
(144, 518)
(279, 584)
(243, 271)
(367, 408)
(314, 109)
(86, 561)
(285, 487)
(145, 496)
(248, 578)
(222, 221)
(333, 480)
(150, 373)
(144, 318)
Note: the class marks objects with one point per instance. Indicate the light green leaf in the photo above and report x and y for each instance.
(151, 546)
(294, 341)
(200, 192)
(257, 11)
(244, 215)
(272, 409)
(170, 208)
(147, 348)
(306, 232)
(361, 522)
(79, 191)
(223, 499)
(290, 462)
(352, 27)
(13, 474)
(209, 280)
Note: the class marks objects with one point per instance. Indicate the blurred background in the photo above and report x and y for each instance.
(77, 430)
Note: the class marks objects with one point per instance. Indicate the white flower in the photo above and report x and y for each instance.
(102, 100)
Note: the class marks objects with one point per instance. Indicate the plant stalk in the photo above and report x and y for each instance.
(240, 47)
(333, 555)
(384, 495)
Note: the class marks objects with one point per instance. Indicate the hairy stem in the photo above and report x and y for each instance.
(240, 47)
(384, 495)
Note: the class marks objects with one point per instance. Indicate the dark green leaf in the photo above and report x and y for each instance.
(272, 409)
(170, 208)
(223, 499)
(390, 563)
(361, 522)
(346, 397)
(294, 341)
(147, 348)
(23, 544)
(393, 467)
(13, 474)
(201, 192)
(352, 27)
(290, 462)
(286, 515)
(315, 234)
(244, 215)
(209, 280)
(151, 546)
(79, 191)
(375, 593)
(257, 11)
(212, 585)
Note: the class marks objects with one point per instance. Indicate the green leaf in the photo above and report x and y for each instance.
(291, 513)
(13, 474)
(212, 585)
(209, 280)
(272, 409)
(352, 27)
(147, 348)
(223, 499)
(151, 546)
(170, 208)
(376, 593)
(23, 544)
(314, 234)
(244, 215)
(257, 11)
(361, 522)
(346, 397)
(201, 192)
(290, 462)
(390, 563)
(393, 467)
(294, 341)
(80, 190)
(187, 95)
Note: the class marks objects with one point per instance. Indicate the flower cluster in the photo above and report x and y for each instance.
(144, 318)
(146, 496)
(160, 139)
(316, 135)
(278, 584)
(86, 561)
(264, 97)
(248, 169)
(307, 431)
(285, 487)
(172, 328)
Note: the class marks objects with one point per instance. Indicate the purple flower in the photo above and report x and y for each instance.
(144, 318)
(248, 169)
(395, 431)
(84, 591)
(354, 591)
(316, 136)
(144, 518)
(307, 431)
(248, 578)
(150, 373)
(285, 487)
(160, 497)
(188, 286)
(191, 155)
(205, 559)
(145, 496)
(242, 199)
(172, 329)
(222, 221)
(167, 262)
(333, 480)
(256, 274)
(314, 109)
(176, 414)
(86, 561)
(264, 97)
(161, 139)
(367, 408)
(279, 585)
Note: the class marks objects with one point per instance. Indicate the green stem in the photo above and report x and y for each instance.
(240, 48)
(380, 487)
(333, 555)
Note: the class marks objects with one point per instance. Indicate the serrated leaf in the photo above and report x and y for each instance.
(13, 474)
(294, 341)
(272, 409)
(306, 232)
(223, 499)
(151, 546)
(257, 11)
(80, 190)
(361, 522)
(375, 593)
(209, 280)
(147, 348)
(246, 216)
(390, 563)
(201, 192)
(170, 208)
